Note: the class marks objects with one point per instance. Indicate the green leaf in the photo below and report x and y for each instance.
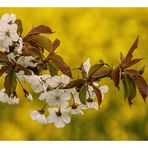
(10, 82)
(82, 94)
(53, 69)
(98, 94)
(124, 82)
(20, 27)
(102, 72)
(94, 69)
(130, 88)
(41, 41)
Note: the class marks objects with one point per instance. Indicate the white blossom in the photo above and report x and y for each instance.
(77, 109)
(3, 96)
(29, 97)
(8, 34)
(91, 104)
(13, 99)
(20, 75)
(58, 81)
(19, 46)
(86, 66)
(36, 83)
(9, 18)
(26, 61)
(57, 97)
(58, 117)
(36, 115)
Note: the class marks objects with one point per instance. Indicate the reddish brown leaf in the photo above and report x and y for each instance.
(142, 86)
(128, 57)
(116, 75)
(40, 29)
(75, 83)
(131, 72)
(121, 56)
(55, 45)
(141, 71)
(59, 62)
(132, 62)
(98, 94)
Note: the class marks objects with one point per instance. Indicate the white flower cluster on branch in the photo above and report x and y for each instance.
(23, 60)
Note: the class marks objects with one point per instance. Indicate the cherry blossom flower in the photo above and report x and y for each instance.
(58, 117)
(28, 95)
(86, 66)
(13, 99)
(27, 61)
(19, 46)
(91, 104)
(58, 81)
(20, 75)
(77, 109)
(8, 34)
(57, 97)
(3, 96)
(39, 117)
(9, 18)
(36, 83)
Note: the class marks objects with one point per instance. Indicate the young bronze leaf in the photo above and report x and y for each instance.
(132, 62)
(121, 57)
(10, 82)
(98, 94)
(39, 30)
(55, 45)
(53, 69)
(131, 72)
(75, 83)
(128, 57)
(59, 62)
(141, 71)
(41, 41)
(3, 57)
(116, 75)
(82, 94)
(20, 27)
(31, 51)
(94, 69)
(142, 86)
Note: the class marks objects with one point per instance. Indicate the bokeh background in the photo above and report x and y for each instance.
(98, 33)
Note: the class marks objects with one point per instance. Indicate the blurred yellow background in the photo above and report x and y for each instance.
(98, 33)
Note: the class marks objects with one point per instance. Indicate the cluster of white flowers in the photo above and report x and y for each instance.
(62, 102)
(13, 99)
(8, 33)
(58, 99)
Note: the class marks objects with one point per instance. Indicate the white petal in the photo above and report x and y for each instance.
(86, 66)
(104, 89)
